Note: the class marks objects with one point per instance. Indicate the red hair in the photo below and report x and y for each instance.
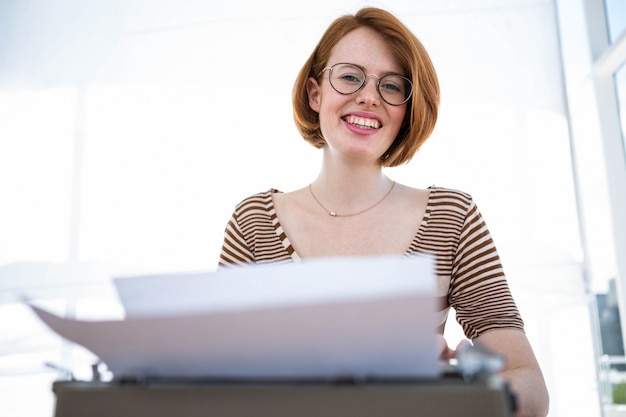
(423, 106)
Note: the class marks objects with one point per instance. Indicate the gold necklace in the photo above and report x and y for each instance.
(334, 214)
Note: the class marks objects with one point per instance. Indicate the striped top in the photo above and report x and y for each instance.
(470, 277)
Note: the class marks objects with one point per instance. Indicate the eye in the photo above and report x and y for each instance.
(348, 74)
(391, 87)
(393, 84)
(351, 78)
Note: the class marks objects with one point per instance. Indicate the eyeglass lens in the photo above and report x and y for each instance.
(347, 79)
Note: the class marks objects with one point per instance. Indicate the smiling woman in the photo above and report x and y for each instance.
(409, 57)
(365, 116)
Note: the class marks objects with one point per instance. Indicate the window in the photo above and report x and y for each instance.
(620, 86)
(616, 18)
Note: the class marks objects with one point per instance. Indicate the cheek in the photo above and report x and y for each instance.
(329, 109)
(399, 113)
(396, 116)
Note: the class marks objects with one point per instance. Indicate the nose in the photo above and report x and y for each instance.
(368, 94)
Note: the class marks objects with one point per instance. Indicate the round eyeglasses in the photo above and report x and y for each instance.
(347, 79)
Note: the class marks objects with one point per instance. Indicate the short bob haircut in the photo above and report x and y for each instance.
(421, 115)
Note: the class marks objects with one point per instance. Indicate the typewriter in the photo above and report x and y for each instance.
(469, 388)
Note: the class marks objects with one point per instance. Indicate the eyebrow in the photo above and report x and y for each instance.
(362, 68)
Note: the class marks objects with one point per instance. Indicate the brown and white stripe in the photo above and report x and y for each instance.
(470, 276)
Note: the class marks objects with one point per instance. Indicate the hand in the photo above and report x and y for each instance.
(445, 352)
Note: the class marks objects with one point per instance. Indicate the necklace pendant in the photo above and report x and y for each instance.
(334, 214)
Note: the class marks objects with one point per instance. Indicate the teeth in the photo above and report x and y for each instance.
(363, 122)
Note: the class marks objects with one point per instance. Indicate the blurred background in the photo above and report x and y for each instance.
(129, 129)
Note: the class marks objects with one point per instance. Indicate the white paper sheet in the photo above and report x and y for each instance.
(357, 317)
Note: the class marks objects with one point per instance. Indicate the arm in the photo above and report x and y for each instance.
(235, 248)
(521, 370)
(485, 308)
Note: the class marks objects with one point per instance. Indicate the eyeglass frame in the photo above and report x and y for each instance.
(366, 76)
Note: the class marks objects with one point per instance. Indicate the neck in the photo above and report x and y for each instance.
(350, 192)
(349, 174)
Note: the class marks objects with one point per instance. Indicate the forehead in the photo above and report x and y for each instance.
(366, 48)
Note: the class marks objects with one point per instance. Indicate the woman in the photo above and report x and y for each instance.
(368, 98)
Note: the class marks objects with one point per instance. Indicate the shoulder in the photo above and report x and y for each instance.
(441, 197)
(443, 192)
(259, 204)
(263, 198)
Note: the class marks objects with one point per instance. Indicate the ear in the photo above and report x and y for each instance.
(314, 94)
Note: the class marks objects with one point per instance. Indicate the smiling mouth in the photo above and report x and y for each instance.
(362, 122)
